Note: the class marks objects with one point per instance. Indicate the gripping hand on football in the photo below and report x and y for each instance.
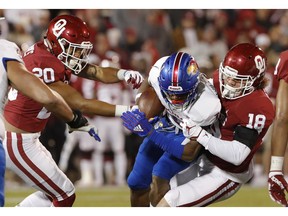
(136, 122)
(277, 186)
(190, 129)
(80, 123)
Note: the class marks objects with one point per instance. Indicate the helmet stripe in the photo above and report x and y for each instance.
(175, 69)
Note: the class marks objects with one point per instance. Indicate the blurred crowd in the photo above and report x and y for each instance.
(135, 39)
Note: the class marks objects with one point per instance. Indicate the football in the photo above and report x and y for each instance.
(149, 103)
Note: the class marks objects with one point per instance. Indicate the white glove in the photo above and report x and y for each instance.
(91, 129)
(190, 129)
(130, 76)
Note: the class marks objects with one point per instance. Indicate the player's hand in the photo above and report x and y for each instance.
(190, 129)
(132, 108)
(136, 122)
(134, 78)
(80, 123)
(277, 186)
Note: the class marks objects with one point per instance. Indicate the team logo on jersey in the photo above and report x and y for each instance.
(192, 68)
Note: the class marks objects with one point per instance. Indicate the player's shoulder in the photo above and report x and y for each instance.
(158, 64)
(9, 50)
(257, 103)
(7, 44)
(207, 106)
(284, 55)
(281, 69)
(155, 71)
(38, 56)
(207, 92)
(258, 98)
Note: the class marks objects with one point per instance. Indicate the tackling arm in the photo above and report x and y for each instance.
(111, 75)
(88, 106)
(95, 72)
(234, 151)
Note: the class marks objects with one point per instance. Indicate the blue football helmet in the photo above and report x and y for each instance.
(178, 80)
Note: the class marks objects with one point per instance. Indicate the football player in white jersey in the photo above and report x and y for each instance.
(14, 73)
(185, 93)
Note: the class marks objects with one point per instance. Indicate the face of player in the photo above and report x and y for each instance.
(177, 99)
(233, 82)
(75, 56)
(233, 87)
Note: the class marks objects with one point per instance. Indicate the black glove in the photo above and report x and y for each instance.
(80, 123)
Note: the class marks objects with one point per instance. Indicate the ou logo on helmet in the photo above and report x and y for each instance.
(59, 27)
(260, 64)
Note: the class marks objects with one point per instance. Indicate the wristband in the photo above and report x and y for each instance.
(120, 109)
(121, 74)
(276, 163)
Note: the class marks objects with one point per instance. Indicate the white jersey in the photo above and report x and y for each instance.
(204, 111)
(8, 51)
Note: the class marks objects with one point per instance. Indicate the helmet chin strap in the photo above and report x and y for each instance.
(48, 45)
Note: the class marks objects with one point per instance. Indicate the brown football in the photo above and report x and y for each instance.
(149, 103)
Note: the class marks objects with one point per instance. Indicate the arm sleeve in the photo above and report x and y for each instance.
(233, 151)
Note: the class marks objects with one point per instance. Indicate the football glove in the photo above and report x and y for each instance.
(80, 123)
(136, 122)
(132, 77)
(277, 186)
(190, 129)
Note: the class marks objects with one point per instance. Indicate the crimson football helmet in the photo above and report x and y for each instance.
(242, 70)
(68, 38)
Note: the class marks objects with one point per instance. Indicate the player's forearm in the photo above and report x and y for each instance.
(104, 75)
(280, 125)
(60, 109)
(231, 151)
(279, 138)
(101, 108)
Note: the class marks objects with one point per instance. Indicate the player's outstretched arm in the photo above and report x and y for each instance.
(87, 106)
(112, 75)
